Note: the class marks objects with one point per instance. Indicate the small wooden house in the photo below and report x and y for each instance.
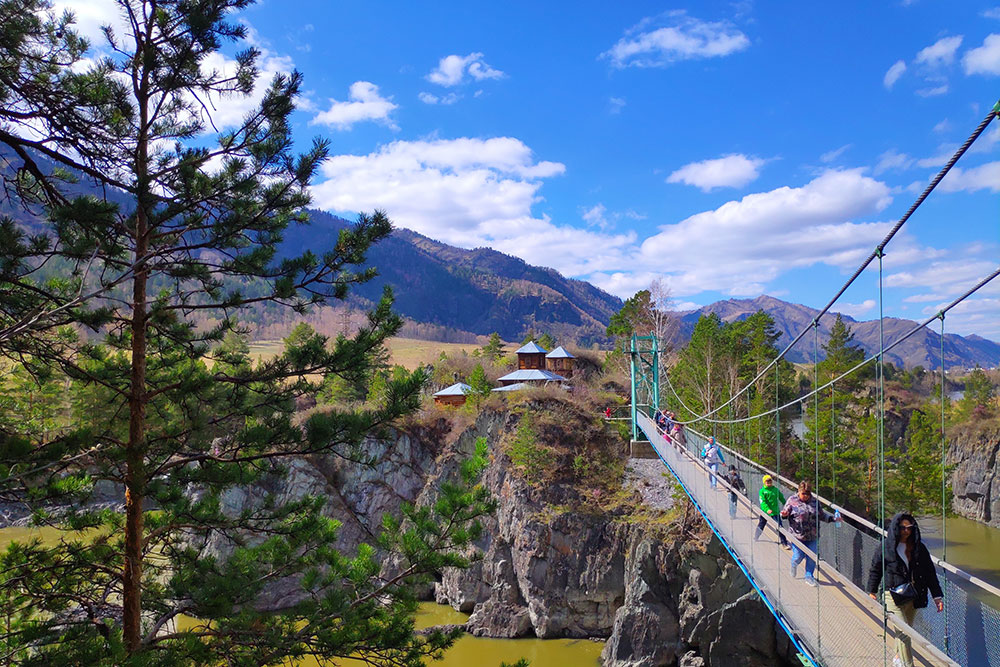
(560, 361)
(530, 356)
(453, 395)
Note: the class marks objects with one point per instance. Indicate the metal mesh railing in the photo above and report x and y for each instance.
(836, 622)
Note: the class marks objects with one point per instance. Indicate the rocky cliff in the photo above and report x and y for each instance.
(975, 480)
(558, 561)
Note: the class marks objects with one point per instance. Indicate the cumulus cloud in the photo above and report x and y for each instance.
(893, 74)
(856, 310)
(475, 192)
(892, 159)
(430, 98)
(682, 38)
(729, 171)
(983, 59)
(364, 103)
(764, 234)
(91, 16)
(984, 177)
(941, 52)
(468, 192)
(451, 70)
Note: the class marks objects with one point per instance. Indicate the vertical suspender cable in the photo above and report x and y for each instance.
(879, 370)
(944, 518)
(833, 468)
(819, 626)
(777, 451)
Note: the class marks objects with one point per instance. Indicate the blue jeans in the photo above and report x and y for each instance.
(798, 555)
(714, 467)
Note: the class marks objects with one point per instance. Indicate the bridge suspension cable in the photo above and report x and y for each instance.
(878, 252)
(861, 364)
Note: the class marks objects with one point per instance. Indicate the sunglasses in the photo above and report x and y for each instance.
(905, 527)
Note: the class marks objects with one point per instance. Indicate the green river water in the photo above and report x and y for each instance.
(468, 651)
(972, 546)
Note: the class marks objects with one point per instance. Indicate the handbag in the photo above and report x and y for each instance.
(904, 593)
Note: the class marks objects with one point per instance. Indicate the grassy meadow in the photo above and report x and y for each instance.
(407, 352)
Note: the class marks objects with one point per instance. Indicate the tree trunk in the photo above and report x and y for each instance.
(135, 473)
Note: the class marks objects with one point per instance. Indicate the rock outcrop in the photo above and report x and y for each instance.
(975, 480)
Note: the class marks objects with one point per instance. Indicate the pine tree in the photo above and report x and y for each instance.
(189, 222)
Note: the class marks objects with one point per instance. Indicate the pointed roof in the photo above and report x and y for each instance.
(532, 348)
(559, 353)
(511, 387)
(457, 389)
(533, 374)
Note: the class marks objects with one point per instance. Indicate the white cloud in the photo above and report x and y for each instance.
(933, 91)
(830, 156)
(229, 111)
(765, 234)
(941, 52)
(943, 126)
(468, 192)
(365, 104)
(891, 159)
(451, 70)
(91, 16)
(940, 158)
(983, 59)
(617, 104)
(430, 98)
(893, 73)
(855, 310)
(993, 13)
(984, 177)
(732, 171)
(683, 38)
(594, 216)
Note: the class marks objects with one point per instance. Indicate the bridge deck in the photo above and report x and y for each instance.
(837, 622)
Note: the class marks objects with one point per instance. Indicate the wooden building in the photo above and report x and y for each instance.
(453, 395)
(530, 356)
(560, 361)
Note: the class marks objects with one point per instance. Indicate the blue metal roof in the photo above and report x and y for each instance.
(559, 353)
(512, 387)
(532, 348)
(457, 389)
(532, 374)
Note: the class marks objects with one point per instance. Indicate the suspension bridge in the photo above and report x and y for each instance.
(835, 622)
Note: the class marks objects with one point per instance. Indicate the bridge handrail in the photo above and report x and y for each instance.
(944, 565)
(895, 621)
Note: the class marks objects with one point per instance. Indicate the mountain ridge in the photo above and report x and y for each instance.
(921, 349)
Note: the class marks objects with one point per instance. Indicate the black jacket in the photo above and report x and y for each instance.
(896, 572)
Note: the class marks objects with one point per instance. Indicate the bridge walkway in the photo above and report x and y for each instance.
(836, 623)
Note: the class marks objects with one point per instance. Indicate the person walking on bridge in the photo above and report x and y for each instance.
(771, 501)
(804, 514)
(712, 456)
(909, 573)
(736, 482)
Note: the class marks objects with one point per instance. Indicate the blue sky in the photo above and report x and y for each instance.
(728, 149)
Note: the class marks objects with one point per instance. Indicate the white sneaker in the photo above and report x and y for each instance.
(810, 581)
(897, 662)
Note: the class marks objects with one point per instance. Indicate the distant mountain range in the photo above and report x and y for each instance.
(921, 349)
(449, 293)
(475, 291)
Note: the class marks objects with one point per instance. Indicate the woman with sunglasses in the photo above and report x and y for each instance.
(906, 561)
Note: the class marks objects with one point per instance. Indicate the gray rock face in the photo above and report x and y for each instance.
(975, 481)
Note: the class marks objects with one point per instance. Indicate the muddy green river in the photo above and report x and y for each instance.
(467, 652)
(972, 546)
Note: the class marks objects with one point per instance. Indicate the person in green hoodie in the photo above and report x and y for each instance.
(771, 501)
